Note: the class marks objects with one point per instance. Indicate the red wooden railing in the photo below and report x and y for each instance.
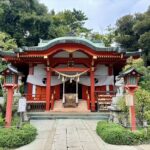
(36, 102)
(35, 97)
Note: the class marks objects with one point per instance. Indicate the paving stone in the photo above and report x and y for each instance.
(71, 135)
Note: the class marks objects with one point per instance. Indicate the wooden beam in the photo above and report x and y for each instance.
(57, 61)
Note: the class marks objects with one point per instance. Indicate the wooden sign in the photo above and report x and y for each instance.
(22, 105)
(129, 99)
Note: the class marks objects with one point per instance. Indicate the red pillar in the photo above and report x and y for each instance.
(132, 118)
(9, 106)
(132, 112)
(48, 89)
(92, 90)
(131, 91)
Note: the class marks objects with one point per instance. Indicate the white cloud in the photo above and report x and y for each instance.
(101, 13)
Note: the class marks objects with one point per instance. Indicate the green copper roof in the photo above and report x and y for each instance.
(7, 53)
(44, 45)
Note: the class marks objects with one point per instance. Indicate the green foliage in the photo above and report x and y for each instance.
(123, 117)
(144, 42)
(133, 33)
(122, 105)
(142, 104)
(107, 38)
(68, 23)
(6, 42)
(116, 134)
(147, 116)
(13, 137)
(1, 121)
(28, 21)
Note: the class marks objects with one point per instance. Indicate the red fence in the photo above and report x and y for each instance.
(36, 102)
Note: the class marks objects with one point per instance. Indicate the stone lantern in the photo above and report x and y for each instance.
(131, 78)
(11, 76)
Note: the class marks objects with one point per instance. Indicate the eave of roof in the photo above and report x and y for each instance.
(76, 40)
(7, 53)
(135, 53)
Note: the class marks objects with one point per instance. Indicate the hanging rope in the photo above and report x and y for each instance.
(70, 76)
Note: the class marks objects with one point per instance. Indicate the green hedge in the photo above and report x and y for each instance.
(116, 134)
(13, 137)
(1, 121)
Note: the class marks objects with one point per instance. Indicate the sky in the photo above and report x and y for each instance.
(100, 13)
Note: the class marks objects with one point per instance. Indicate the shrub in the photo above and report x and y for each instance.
(1, 121)
(116, 134)
(13, 137)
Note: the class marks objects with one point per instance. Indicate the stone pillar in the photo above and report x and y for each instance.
(48, 88)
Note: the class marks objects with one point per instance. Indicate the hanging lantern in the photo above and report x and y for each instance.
(78, 79)
(70, 80)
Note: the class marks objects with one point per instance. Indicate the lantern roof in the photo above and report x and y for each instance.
(12, 69)
(132, 71)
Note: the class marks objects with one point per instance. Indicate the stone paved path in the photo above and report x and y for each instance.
(71, 135)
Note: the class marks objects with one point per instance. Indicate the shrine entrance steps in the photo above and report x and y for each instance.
(82, 107)
(66, 115)
(59, 112)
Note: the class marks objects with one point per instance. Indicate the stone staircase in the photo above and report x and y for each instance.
(68, 115)
(59, 112)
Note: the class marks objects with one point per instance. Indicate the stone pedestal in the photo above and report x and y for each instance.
(114, 110)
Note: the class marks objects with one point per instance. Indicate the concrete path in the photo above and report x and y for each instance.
(71, 135)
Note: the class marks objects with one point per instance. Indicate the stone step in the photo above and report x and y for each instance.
(45, 115)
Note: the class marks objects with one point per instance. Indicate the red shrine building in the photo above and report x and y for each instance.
(68, 70)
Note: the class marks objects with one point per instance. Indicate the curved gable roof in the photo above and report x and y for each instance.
(75, 40)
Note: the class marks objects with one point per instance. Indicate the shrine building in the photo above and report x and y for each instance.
(68, 70)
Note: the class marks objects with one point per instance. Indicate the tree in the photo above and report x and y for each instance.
(142, 105)
(125, 34)
(27, 21)
(6, 42)
(24, 20)
(144, 41)
(132, 32)
(68, 23)
(107, 38)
